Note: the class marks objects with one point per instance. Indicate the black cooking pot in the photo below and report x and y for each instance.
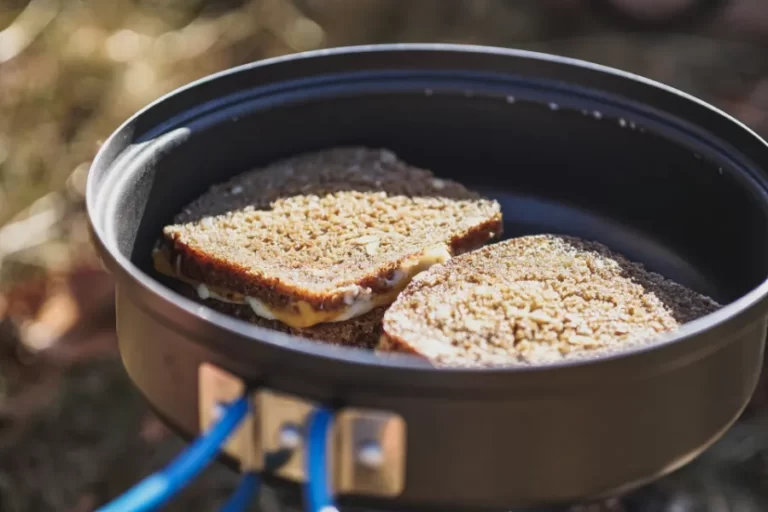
(566, 147)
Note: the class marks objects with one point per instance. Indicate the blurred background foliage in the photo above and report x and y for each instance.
(72, 70)
(73, 432)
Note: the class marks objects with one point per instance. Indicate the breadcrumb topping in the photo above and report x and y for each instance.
(536, 300)
(320, 226)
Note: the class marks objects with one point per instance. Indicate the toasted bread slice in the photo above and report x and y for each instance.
(535, 300)
(323, 237)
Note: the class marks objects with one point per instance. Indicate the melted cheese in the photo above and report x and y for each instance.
(300, 314)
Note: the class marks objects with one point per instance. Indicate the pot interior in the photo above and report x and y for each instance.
(642, 182)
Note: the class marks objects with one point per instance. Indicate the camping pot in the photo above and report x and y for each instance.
(566, 147)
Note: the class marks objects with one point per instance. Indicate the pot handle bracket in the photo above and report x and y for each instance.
(364, 450)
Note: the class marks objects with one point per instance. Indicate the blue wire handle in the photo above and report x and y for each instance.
(244, 494)
(157, 489)
(317, 490)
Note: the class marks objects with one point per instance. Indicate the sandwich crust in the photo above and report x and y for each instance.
(325, 229)
(535, 300)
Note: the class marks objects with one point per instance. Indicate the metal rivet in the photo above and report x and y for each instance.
(370, 455)
(218, 411)
(290, 437)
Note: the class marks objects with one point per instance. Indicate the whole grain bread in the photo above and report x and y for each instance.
(309, 227)
(535, 300)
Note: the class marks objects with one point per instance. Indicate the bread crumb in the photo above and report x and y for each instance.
(372, 248)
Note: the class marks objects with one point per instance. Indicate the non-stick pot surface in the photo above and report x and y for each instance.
(566, 147)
